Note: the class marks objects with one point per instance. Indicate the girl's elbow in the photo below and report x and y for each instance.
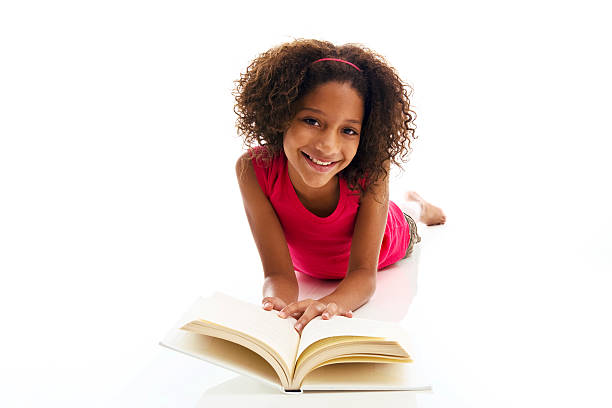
(371, 287)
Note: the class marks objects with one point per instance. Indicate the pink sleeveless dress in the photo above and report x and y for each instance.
(320, 246)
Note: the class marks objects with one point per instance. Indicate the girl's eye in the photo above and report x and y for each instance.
(311, 121)
(350, 131)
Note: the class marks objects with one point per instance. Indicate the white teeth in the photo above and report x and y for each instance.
(320, 163)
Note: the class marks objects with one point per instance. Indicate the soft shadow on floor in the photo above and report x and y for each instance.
(396, 286)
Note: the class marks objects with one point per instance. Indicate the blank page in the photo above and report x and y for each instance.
(343, 326)
(251, 320)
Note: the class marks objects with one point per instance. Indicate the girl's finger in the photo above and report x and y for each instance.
(272, 303)
(267, 303)
(347, 313)
(330, 311)
(315, 309)
(295, 307)
(278, 304)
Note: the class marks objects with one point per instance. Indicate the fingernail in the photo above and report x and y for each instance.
(282, 314)
(298, 326)
(325, 315)
(267, 304)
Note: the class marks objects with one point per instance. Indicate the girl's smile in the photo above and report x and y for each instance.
(323, 137)
(320, 165)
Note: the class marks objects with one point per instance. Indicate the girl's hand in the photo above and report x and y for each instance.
(309, 309)
(273, 303)
(276, 303)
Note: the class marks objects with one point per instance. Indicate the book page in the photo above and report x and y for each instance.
(366, 376)
(252, 320)
(222, 353)
(319, 329)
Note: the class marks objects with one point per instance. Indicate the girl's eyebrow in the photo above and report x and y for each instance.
(323, 113)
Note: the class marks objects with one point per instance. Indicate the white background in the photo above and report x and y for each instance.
(118, 200)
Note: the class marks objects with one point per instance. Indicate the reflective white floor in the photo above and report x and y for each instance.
(511, 309)
(483, 341)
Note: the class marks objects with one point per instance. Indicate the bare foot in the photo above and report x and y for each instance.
(430, 214)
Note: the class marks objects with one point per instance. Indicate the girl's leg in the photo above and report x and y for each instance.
(414, 234)
(412, 208)
(416, 209)
(420, 210)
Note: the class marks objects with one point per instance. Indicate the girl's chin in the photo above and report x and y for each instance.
(311, 178)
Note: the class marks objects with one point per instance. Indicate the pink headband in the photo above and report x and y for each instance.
(339, 60)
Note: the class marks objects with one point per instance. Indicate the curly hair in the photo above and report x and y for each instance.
(267, 92)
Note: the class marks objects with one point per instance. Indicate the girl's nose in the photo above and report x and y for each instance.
(328, 142)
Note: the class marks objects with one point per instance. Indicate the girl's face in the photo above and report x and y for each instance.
(323, 136)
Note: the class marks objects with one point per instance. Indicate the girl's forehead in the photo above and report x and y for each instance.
(334, 97)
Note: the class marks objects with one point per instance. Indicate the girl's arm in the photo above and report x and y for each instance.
(280, 284)
(359, 283)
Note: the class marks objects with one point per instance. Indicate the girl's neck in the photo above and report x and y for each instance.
(320, 201)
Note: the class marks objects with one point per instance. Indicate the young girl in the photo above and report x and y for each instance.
(329, 120)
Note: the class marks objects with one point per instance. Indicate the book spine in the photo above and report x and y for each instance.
(292, 392)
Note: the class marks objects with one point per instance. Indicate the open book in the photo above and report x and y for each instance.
(336, 354)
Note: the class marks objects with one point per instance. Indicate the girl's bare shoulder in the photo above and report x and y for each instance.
(244, 168)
